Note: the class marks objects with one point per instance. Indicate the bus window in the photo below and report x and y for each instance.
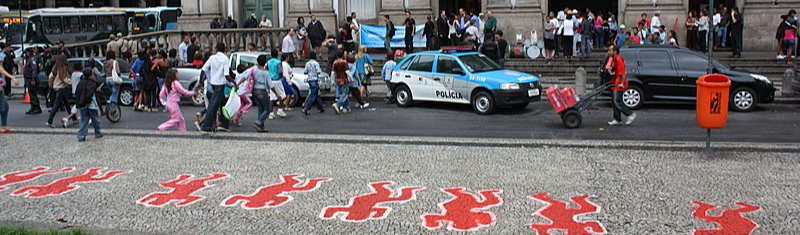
(52, 25)
(151, 22)
(104, 22)
(169, 20)
(89, 23)
(72, 24)
(119, 23)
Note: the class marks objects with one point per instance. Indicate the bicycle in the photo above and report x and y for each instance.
(112, 111)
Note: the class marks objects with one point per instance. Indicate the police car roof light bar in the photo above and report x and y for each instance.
(451, 49)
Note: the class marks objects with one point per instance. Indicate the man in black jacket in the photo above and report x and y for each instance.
(8, 65)
(411, 28)
(30, 71)
(430, 34)
(443, 28)
(316, 33)
(502, 44)
(251, 22)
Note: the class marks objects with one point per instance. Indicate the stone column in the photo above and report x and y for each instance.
(508, 18)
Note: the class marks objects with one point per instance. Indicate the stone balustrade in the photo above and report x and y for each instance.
(234, 39)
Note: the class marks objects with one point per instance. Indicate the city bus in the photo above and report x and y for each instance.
(49, 26)
(154, 19)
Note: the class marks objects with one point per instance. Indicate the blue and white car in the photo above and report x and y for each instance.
(463, 78)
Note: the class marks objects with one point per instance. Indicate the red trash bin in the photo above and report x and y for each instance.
(713, 91)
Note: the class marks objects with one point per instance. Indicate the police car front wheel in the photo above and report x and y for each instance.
(403, 96)
(483, 103)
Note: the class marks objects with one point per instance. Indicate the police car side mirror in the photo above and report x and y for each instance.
(458, 71)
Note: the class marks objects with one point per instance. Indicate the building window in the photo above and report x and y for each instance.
(364, 9)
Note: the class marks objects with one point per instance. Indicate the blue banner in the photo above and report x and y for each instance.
(372, 36)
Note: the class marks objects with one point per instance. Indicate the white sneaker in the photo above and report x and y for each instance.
(630, 118)
(613, 123)
(271, 116)
(366, 105)
(280, 113)
(336, 108)
(197, 125)
(780, 57)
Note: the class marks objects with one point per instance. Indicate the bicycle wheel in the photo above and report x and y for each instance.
(113, 112)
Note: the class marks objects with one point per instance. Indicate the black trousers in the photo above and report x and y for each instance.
(409, 44)
(443, 41)
(30, 83)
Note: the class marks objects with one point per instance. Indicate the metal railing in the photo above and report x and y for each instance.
(234, 39)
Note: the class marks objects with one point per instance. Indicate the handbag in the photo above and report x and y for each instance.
(368, 69)
(114, 75)
(232, 106)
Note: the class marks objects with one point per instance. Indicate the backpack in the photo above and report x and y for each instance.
(85, 92)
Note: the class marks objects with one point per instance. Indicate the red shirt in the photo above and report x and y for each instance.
(618, 66)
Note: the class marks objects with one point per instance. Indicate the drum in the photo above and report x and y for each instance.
(517, 52)
(528, 43)
(540, 44)
(534, 52)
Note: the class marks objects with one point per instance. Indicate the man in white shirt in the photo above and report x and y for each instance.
(655, 22)
(557, 24)
(287, 47)
(217, 70)
(182, 50)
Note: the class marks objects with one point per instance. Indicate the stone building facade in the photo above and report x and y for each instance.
(761, 17)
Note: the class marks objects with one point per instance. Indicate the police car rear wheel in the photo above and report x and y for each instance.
(483, 103)
(403, 96)
(743, 99)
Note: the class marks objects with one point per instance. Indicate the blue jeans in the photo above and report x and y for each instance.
(86, 115)
(3, 110)
(114, 90)
(215, 105)
(343, 92)
(387, 43)
(599, 37)
(586, 47)
(313, 96)
(61, 99)
(261, 98)
(722, 36)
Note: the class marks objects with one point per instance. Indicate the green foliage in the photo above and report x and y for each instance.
(26, 231)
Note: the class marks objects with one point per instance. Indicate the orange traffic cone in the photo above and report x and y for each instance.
(27, 99)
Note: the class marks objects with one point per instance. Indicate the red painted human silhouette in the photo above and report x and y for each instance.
(365, 207)
(564, 218)
(464, 210)
(182, 191)
(274, 195)
(64, 185)
(729, 221)
(27, 175)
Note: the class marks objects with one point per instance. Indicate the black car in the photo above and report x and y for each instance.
(657, 72)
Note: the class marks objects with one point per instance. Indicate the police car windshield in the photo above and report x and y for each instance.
(477, 63)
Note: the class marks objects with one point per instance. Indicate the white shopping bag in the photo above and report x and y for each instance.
(233, 105)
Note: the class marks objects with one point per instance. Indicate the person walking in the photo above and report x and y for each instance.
(75, 77)
(286, 78)
(341, 74)
(330, 42)
(615, 65)
(4, 102)
(387, 39)
(86, 102)
(386, 74)
(355, 82)
(111, 68)
(216, 69)
(244, 87)
(173, 90)
(274, 66)
(30, 71)
(363, 60)
(60, 80)
(314, 72)
(411, 27)
(736, 28)
(262, 85)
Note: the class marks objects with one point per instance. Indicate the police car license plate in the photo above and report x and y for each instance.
(534, 92)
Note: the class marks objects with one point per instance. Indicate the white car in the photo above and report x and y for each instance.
(299, 82)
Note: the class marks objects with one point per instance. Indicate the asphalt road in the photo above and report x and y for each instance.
(663, 122)
(637, 189)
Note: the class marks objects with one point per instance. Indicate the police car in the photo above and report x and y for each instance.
(464, 78)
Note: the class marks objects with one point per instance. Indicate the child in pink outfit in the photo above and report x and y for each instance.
(173, 91)
(244, 82)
